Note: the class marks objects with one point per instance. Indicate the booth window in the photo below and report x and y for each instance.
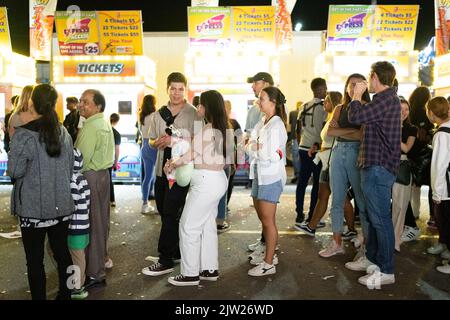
(124, 107)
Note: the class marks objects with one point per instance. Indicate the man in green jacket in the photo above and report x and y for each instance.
(96, 143)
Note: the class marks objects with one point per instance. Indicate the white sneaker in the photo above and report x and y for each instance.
(332, 249)
(445, 255)
(256, 245)
(436, 249)
(444, 269)
(147, 208)
(360, 264)
(410, 234)
(109, 264)
(257, 254)
(260, 259)
(262, 269)
(376, 280)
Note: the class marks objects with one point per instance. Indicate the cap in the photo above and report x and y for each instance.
(264, 76)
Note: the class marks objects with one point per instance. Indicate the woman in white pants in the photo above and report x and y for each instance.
(401, 193)
(198, 229)
(267, 152)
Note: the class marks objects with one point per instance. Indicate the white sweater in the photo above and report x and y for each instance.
(272, 137)
(439, 164)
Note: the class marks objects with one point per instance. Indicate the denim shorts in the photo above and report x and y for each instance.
(269, 193)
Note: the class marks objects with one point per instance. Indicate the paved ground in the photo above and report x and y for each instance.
(301, 274)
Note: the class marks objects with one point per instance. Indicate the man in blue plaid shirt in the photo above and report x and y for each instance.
(379, 160)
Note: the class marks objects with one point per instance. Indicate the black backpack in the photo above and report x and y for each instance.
(309, 112)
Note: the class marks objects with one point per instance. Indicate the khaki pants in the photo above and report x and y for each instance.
(79, 259)
(401, 195)
(96, 252)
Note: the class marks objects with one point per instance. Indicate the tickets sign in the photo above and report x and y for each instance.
(5, 40)
(209, 26)
(120, 32)
(254, 24)
(100, 68)
(77, 33)
(383, 27)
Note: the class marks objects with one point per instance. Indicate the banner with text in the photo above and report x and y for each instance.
(5, 40)
(379, 28)
(118, 68)
(442, 13)
(120, 32)
(283, 33)
(209, 26)
(42, 14)
(254, 24)
(77, 33)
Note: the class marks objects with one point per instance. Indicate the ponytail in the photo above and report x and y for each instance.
(44, 100)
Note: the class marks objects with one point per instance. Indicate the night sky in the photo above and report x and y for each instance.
(164, 15)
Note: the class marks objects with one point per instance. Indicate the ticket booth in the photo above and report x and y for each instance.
(123, 80)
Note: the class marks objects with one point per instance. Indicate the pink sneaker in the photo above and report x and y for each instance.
(332, 249)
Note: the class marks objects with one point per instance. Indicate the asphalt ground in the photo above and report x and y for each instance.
(301, 273)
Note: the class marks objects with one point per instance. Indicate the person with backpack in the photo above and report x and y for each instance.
(311, 119)
(438, 113)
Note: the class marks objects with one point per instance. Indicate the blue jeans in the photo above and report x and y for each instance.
(308, 167)
(295, 157)
(222, 209)
(148, 155)
(344, 171)
(377, 188)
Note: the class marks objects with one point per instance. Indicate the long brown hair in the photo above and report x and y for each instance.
(277, 97)
(147, 107)
(347, 99)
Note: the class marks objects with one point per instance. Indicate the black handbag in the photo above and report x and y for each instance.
(404, 173)
(421, 166)
(325, 174)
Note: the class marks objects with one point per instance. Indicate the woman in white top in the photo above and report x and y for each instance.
(266, 149)
(198, 230)
(22, 113)
(438, 112)
(148, 153)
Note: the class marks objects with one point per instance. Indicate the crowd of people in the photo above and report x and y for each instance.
(370, 149)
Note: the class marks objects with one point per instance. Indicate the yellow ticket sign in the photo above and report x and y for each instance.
(77, 33)
(383, 27)
(395, 27)
(209, 26)
(120, 32)
(5, 40)
(253, 24)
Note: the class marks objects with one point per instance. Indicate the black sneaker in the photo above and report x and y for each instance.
(182, 281)
(305, 229)
(94, 283)
(156, 269)
(209, 275)
(223, 227)
(349, 235)
(321, 225)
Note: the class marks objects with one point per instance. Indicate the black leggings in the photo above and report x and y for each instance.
(34, 243)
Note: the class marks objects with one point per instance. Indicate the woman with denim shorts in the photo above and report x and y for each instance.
(266, 149)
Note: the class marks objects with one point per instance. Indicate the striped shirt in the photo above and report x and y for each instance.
(381, 141)
(79, 224)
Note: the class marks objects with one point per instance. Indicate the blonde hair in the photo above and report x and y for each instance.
(24, 99)
(439, 106)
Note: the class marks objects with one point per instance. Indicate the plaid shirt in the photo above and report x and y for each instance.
(382, 130)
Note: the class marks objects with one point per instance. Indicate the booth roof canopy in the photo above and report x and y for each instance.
(172, 15)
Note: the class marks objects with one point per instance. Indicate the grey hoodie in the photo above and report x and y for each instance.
(42, 184)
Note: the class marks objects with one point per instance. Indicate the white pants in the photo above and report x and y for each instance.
(198, 229)
(401, 195)
(415, 200)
